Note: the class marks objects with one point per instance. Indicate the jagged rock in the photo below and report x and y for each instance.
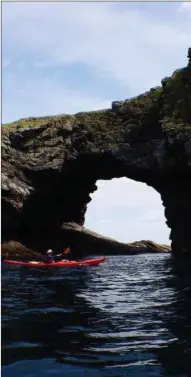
(84, 242)
(13, 249)
(89, 242)
(50, 165)
(115, 105)
(189, 56)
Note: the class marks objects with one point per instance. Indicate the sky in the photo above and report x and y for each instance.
(69, 57)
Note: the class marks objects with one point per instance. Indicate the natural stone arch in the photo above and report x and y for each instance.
(50, 165)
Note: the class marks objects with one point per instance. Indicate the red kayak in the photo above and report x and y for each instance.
(64, 263)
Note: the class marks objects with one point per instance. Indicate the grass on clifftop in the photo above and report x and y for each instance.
(175, 95)
(34, 122)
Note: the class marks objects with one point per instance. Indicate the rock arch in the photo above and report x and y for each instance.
(50, 165)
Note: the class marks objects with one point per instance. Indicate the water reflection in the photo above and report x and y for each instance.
(131, 315)
(43, 315)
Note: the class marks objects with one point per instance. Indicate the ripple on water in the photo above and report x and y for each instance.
(113, 320)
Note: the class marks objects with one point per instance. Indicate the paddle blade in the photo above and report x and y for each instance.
(67, 251)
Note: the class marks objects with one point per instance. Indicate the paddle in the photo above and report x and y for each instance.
(67, 250)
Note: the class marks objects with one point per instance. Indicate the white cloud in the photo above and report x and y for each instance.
(125, 44)
(127, 189)
(185, 5)
(127, 211)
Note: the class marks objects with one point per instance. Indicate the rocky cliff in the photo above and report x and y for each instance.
(50, 165)
(83, 242)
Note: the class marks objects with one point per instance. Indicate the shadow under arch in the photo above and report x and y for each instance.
(62, 197)
(175, 356)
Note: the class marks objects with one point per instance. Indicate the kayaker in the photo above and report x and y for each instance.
(49, 256)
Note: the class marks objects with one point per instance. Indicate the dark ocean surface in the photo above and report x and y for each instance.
(130, 316)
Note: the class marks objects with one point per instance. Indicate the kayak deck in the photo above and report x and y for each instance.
(87, 262)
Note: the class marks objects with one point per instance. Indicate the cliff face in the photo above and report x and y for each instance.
(50, 165)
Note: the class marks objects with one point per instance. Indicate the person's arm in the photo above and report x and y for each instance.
(57, 256)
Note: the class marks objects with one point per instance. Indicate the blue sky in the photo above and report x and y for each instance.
(68, 57)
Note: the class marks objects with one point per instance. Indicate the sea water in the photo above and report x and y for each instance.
(130, 316)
